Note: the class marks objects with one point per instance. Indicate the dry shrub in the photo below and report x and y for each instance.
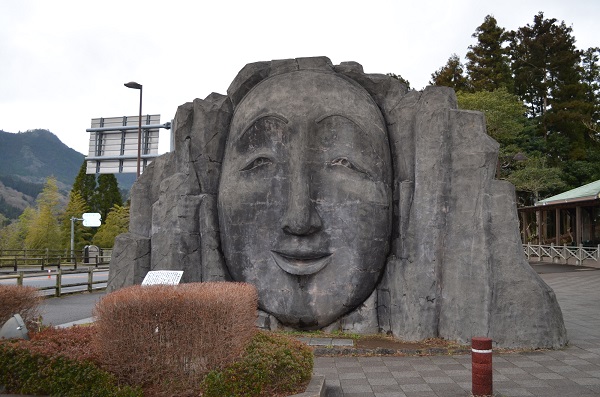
(20, 300)
(73, 343)
(167, 338)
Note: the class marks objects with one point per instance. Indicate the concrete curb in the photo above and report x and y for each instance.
(84, 321)
(316, 387)
(333, 351)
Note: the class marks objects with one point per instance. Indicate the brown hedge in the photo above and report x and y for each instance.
(22, 300)
(167, 338)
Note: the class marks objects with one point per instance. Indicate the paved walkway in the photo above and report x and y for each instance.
(573, 371)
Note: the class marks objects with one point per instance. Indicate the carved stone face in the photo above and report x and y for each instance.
(305, 196)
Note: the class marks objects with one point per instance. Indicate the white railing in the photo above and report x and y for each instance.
(562, 253)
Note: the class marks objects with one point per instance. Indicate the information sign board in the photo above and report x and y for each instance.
(170, 277)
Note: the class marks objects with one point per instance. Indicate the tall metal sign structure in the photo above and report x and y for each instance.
(113, 146)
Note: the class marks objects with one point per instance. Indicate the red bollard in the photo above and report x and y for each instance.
(481, 361)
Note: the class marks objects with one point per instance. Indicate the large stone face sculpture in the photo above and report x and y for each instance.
(350, 202)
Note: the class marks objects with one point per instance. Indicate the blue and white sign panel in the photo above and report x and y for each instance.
(113, 146)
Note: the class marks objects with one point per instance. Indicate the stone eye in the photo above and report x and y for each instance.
(257, 162)
(344, 162)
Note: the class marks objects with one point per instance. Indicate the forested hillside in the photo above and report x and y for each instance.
(35, 155)
(27, 160)
(541, 97)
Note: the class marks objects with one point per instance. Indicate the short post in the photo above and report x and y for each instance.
(481, 362)
(58, 282)
(90, 278)
(20, 278)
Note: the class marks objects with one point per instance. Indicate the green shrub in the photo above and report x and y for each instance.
(272, 365)
(22, 371)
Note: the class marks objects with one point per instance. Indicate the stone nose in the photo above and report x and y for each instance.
(301, 217)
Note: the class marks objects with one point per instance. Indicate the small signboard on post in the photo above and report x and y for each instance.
(167, 277)
(91, 219)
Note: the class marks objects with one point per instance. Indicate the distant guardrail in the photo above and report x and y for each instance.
(46, 258)
(58, 286)
(562, 253)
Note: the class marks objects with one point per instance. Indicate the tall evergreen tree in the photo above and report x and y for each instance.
(85, 186)
(107, 194)
(546, 68)
(488, 65)
(591, 81)
(451, 75)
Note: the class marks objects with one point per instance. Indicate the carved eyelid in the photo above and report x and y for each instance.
(260, 117)
(258, 161)
(350, 165)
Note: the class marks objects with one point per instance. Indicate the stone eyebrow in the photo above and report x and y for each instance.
(319, 119)
(262, 116)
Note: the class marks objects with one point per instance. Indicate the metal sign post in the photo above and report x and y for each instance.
(90, 219)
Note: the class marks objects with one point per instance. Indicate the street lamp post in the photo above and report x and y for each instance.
(136, 86)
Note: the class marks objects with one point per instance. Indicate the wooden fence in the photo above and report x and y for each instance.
(58, 285)
(46, 258)
(562, 253)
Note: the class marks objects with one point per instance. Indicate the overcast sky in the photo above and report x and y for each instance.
(63, 63)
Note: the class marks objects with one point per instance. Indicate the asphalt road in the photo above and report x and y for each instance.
(69, 308)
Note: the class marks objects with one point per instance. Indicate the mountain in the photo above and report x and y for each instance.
(27, 159)
(35, 155)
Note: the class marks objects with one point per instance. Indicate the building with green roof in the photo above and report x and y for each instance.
(571, 218)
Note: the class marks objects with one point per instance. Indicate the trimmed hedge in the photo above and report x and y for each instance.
(168, 337)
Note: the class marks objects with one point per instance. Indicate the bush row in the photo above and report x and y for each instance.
(166, 340)
(23, 371)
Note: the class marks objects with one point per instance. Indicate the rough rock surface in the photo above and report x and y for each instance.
(455, 267)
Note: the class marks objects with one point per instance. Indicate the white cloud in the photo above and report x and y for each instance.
(65, 62)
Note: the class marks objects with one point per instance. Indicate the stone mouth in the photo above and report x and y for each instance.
(301, 263)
